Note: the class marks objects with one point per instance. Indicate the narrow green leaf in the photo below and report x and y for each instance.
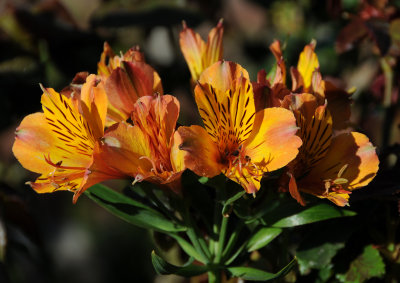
(262, 238)
(292, 214)
(253, 274)
(231, 200)
(368, 265)
(187, 247)
(164, 268)
(130, 210)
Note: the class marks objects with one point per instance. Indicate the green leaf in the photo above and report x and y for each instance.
(130, 210)
(164, 268)
(292, 214)
(317, 257)
(368, 265)
(253, 274)
(187, 247)
(262, 238)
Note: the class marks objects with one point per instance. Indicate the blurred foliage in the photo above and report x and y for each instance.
(48, 41)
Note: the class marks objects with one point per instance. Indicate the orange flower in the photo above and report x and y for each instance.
(127, 78)
(307, 79)
(327, 166)
(62, 143)
(198, 54)
(147, 150)
(236, 140)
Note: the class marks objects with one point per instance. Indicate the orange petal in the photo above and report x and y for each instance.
(273, 142)
(177, 155)
(203, 156)
(34, 139)
(280, 74)
(339, 103)
(351, 153)
(308, 63)
(193, 48)
(222, 74)
(297, 81)
(103, 67)
(75, 140)
(294, 191)
(157, 112)
(214, 47)
(227, 115)
(315, 131)
(68, 180)
(94, 104)
(126, 149)
(125, 85)
(318, 86)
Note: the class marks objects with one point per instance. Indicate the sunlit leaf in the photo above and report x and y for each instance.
(292, 214)
(368, 265)
(130, 210)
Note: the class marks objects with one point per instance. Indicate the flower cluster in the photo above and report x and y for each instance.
(118, 123)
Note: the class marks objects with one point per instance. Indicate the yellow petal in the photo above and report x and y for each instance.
(226, 105)
(273, 142)
(75, 140)
(198, 54)
(222, 74)
(350, 157)
(126, 149)
(33, 140)
(177, 155)
(203, 156)
(192, 47)
(94, 104)
(308, 63)
(316, 134)
(214, 47)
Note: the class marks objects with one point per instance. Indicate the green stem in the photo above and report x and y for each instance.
(221, 241)
(193, 238)
(216, 217)
(234, 256)
(196, 239)
(232, 240)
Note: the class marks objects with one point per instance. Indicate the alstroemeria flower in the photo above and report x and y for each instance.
(306, 78)
(198, 54)
(270, 90)
(148, 149)
(327, 166)
(236, 140)
(127, 78)
(62, 143)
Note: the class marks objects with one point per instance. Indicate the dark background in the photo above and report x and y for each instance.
(44, 238)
